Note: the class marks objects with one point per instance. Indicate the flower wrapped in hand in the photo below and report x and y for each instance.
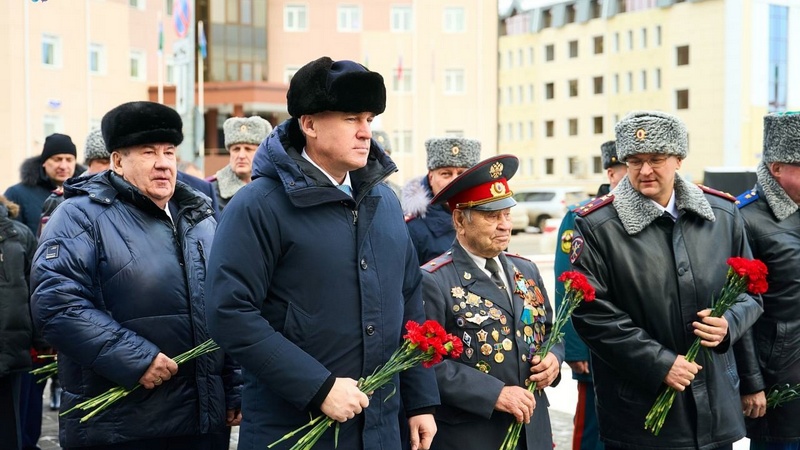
(576, 290)
(427, 344)
(744, 275)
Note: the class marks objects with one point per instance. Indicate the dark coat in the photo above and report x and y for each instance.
(776, 241)
(430, 226)
(17, 246)
(225, 183)
(652, 276)
(30, 193)
(115, 283)
(467, 419)
(307, 283)
(203, 186)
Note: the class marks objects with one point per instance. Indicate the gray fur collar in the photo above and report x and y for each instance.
(228, 182)
(636, 211)
(779, 202)
(415, 197)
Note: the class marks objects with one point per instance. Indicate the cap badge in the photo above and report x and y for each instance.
(498, 189)
(455, 150)
(496, 170)
(380, 139)
(641, 134)
(613, 159)
(243, 128)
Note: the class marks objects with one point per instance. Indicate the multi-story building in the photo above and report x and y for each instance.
(570, 70)
(67, 63)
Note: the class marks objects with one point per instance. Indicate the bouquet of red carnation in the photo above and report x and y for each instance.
(744, 275)
(428, 344)
(576, 289)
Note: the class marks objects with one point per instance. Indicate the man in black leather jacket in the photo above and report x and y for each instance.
(772, 222)
(656, 251)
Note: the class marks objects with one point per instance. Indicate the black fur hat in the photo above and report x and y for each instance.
(325, 85)
(138, 123)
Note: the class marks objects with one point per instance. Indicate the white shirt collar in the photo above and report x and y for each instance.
(671, 209)
(346, 181)
(169, 214)
(480, 261)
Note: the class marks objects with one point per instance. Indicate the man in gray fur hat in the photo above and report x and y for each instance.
(655, 250)
(431, 226)
(771, 219)
(243, 135)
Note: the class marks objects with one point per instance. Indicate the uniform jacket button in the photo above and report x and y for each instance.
(370, 330)
(364, 264)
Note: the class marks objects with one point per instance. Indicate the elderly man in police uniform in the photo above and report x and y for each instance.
(655, 250)
(770, 212)
(586, 435)
(497, 304)
(242, 137)
(431, 225)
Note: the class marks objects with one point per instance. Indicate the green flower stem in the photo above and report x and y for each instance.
(782, 394)
(97, 404)
(46, 371)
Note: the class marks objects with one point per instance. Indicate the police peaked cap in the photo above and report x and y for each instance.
(140, 123)
(327, 85)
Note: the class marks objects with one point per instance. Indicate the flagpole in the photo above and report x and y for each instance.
(201, 84)
(160, 60)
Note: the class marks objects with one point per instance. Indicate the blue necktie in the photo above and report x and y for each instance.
(346, 189)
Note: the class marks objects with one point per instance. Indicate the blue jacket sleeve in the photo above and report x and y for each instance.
(575, 349)
(65, 307)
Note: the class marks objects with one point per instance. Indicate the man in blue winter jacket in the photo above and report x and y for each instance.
(313, 275)
(117, 286)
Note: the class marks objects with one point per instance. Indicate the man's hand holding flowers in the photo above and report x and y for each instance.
(545, 371)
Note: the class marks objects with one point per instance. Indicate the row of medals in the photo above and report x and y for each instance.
(472, 310)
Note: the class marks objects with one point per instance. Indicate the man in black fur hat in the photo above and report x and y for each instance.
(118, 288)
(312, 274)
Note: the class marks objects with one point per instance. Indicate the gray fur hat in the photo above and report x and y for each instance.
(608, 151)
(452, 152)
(782, 137)
(245, 130)
(95, 147)
(651, 132)
(382, 138)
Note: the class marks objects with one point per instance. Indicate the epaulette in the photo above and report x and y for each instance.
(746, 198)
(574, 207)
(438, 262)
(595, 204)
(721, 194)
(515, 255)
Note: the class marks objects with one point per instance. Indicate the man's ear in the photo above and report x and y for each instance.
(775, 169)
(116, 162)
(307, 124)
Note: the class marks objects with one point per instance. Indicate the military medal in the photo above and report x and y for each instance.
(507, 344)
(481, 335)
(499, 358)
(495, 334)
(467, 339)
(486, 349)
(457, 292)
(483, 366)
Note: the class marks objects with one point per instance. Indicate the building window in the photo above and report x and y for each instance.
(616, 83)
(349, 18)
(520, 96)
(530, 93)
(573, 49)
(454, 20)
(169, 5)
(597, 121)
(519, 58)
(510, 131)
(682, 55)
(530, 129)
(97, 59)
(454, 81)
(682, 99)
(547, 18)
(289, 72)
(548, 166)
(630, 39)
(657, 76)
(509, 59)
(598, 45)
(658, 35)
(402, 19)
(549, 52)
(644, 37)
(596, 8)
(510, 95)
(597, 164)
(644, 80)
(402, 141)
(778, 65)
(598, 85)
(549, 128)
(246, 12)
(570, 13)
(630, 81)
(573, 88)
(402, 80)
(52, 124)
(520, 134)
(573, 127)
(138, 69)
(295, 18)
(574, 165)
(530, 55)
(549, 91)
(138, 4)
(616, 42)
(51, 50)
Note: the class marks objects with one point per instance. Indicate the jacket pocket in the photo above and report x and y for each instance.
(298, 325)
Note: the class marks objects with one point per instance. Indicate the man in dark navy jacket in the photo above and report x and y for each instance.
(312, 274)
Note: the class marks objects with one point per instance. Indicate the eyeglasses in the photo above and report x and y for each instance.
(654, 162)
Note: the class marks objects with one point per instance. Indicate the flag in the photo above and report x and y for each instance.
(160, 35)
(399, 67)
(201, 39)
